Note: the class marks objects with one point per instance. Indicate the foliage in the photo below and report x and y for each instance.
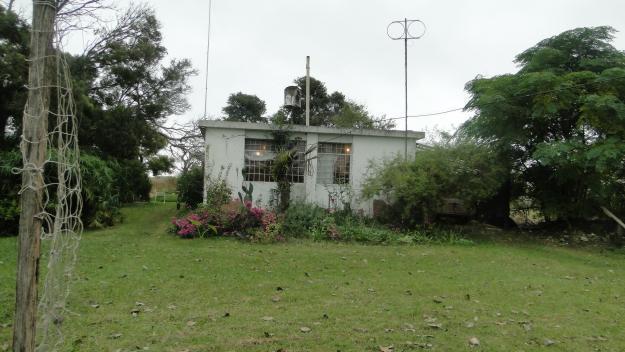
(241, 220)
(131, 180)
(417, 188)
(9, 189)
(245, 108)
(559, 123)
(282, 166)
(248, 191)
(353, 115)
(14, 39)
(300, 218)
(331, 110)
(101, 205)
(160, 164)
(326, 229)
(190, 187)
(218, 192)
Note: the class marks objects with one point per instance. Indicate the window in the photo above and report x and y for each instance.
(333, 163)
(259, 156)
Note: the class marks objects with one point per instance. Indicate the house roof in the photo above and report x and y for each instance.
(214, 124)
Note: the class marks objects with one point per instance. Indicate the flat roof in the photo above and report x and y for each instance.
(252, 126)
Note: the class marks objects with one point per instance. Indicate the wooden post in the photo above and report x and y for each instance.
(34, 146)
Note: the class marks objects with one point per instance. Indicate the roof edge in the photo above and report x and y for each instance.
(253, 126)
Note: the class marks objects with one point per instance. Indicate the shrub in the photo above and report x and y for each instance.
(326, 229)
(417, 188)
(132, 181)
(190, 187)
(101, 206)
(300, 218)
(10, 185)
(218, 192)
(361, 232)
(238, 219)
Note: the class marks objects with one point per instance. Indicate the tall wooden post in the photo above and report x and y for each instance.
(34, 146)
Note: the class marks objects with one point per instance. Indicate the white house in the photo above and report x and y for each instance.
(330, 173)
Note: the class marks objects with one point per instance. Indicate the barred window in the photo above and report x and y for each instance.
(333, 163)
(259, 156)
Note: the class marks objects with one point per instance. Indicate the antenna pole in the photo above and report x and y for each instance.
(208, 47)
(307, 90)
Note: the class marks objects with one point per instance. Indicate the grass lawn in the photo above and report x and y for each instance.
(226, 295)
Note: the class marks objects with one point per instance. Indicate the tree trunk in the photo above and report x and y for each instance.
(33, 147)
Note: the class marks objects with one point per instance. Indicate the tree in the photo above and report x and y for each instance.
(186, 145)
(559, 123)
(330, 110)
(245, 108)
(13, 75)
(160, 164)
(353, 115)
(129, 91)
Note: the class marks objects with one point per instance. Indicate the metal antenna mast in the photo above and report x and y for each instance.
(208, 47)
(392, 30)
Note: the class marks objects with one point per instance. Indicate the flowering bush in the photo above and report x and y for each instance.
(194, 225)
(243, 220)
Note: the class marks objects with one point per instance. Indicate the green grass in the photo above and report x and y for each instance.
(352, 297)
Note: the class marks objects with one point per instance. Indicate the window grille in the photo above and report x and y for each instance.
(259, 157)
(333, 163)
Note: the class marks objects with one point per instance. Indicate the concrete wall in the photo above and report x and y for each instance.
(225, 152)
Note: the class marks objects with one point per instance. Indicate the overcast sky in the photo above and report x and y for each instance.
(259, 47)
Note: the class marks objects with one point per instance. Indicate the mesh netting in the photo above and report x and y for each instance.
(60, 206)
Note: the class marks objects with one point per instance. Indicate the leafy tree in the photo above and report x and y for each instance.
(417, 188)
(354, 115)
(129, 89)
(245, 108)
(160, 164)
(559, 123)
(14, 34)
(330, 110)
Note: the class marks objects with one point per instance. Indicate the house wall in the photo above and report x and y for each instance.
(225, 153)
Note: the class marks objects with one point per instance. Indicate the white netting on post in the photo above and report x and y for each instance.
(50, 147)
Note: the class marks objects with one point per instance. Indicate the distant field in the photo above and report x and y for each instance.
(163, 189)
(226, 295)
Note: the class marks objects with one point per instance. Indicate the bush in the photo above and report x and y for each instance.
(131, 178)
(10, 185)
(190, 187)
(241, 220)
(300, 218)
(101, 205)
(417, 188)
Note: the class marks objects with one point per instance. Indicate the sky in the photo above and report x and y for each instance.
(259, 46)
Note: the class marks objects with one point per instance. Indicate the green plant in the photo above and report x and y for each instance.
(218, 192)
(300, 218)
(101, 204)
(361, 232)
(190, 186)
(417, 188)
(326, 229)
(248, 191)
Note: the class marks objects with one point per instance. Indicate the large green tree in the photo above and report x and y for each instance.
(128, 90)
(245, 108)
(559, 123)
(329, 109)
(14, 34)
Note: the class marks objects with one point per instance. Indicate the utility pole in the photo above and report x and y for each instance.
(307, 90)
(405, 35)
(34, 152)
